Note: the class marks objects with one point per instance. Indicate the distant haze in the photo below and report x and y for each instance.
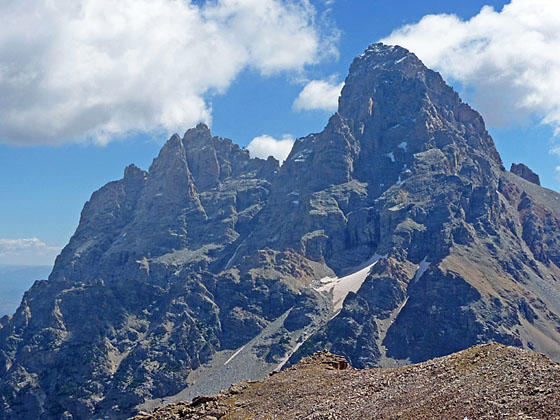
(14, 281)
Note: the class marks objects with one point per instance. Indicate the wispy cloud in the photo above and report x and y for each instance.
(319, 95)
(508, 58)
(27, 251)
(265, 146)
(96, 69)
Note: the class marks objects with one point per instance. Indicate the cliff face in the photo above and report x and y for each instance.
(393, 236)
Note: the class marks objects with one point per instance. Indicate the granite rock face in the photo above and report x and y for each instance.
(393, 236)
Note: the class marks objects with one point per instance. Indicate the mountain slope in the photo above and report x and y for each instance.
(470, 247)
(394, 236)
(483, 382)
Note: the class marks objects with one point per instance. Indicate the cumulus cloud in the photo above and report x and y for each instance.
(265, 146)
(508, 59)
(97, 69)
(318, 95)
(27, 251)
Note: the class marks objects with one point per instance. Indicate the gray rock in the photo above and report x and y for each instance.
(172, 268)
(525, 172)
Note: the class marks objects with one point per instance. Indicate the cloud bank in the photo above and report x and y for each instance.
(27, 251)
(508, 58)
(97, 69)
(318, 95)
(265, 146)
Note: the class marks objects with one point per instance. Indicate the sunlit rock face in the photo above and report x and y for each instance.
(393, 236)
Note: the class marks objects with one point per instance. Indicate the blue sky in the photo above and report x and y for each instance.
(48, 170)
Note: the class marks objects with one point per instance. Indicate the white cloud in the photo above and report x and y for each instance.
(265, 146)
(97, 69)
(508, 58)
(27, 251)
(318, 95)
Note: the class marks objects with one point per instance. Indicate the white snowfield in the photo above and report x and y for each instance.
(341, 286)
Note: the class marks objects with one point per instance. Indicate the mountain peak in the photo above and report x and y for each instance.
(390, 93)
(171, 155)
(389, 54)
(134, 172)
(380, 57)
(200, 132)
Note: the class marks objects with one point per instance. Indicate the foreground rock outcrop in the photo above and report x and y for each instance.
(525, 172)
(482, 382)
(392, 237)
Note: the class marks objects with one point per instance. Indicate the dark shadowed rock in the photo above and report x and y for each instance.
(525, 172)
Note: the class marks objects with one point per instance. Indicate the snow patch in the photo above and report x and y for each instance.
(233, 355)
(228, 264)
(403, 145)
(341, 286)
(302, 155)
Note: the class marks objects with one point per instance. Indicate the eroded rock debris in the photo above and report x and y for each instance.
(483, 382)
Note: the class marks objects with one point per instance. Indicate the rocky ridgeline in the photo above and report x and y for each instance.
(483, 382)
(525, 172)
(393, 236)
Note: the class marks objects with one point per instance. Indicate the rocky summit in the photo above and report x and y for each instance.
(483, 382)
(392, 237)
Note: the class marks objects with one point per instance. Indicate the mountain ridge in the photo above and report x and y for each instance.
(482, 382)
(393, 236)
